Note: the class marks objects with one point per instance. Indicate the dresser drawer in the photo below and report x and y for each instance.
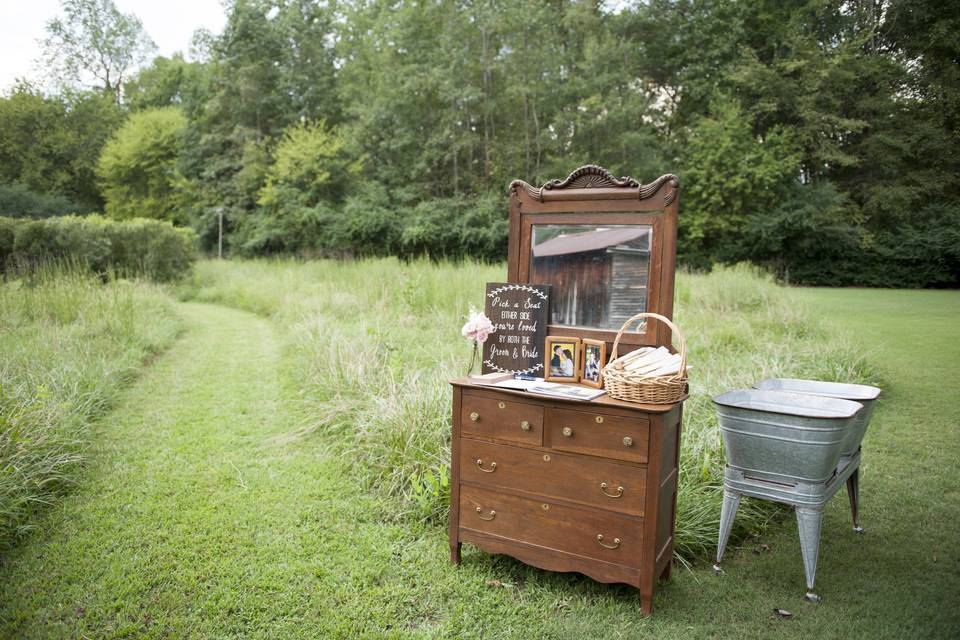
(597, 434)
(498, 419)
(602, 536)
(598, 483)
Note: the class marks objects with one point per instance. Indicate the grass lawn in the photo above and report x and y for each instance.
(195, 519)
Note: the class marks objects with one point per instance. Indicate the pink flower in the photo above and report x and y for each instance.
(478, 327)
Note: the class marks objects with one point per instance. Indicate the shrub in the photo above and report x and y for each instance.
(311, 164)
(138, 166)
(18, 201)
(456, 228)
(7, 234)
(138, 247)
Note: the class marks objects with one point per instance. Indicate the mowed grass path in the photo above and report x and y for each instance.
(195, 520)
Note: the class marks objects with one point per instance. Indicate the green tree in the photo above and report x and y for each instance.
(50, 144)
(138, 166)
(168, 82)
(272, 66)
(311, 163)
(95, 41)
(729, 175)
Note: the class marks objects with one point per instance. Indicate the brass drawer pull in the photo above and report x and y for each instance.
(475, 417)
(493, 466)
(616, 542)
(567, 431)
(525, 425)
(493, 514)
(603, 487)
(627, 441)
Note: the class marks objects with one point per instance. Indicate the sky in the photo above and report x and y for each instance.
(170, 23)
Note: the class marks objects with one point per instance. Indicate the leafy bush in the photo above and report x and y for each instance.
(311, 164)
(138, 166)
(18, 201)
(7, 236)
(457, 228)
(369, 224)
(151, 248)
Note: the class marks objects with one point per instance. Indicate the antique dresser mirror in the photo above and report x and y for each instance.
(561, 483)
(607, 246)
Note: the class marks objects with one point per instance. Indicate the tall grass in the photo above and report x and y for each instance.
(374, 342)
(68, 340)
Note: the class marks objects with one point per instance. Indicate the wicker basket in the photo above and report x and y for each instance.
(632, 387)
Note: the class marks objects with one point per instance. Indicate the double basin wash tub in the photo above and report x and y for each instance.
(795, 442)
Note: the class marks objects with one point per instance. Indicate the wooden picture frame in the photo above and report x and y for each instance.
(570, 351)
(591, 195)
(592, 375)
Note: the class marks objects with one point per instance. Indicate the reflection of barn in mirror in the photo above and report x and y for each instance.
(598, 273)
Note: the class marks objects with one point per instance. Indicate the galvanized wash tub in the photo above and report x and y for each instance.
(862, 393)
(784, 437)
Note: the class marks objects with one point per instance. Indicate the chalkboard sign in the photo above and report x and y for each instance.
(519, 313)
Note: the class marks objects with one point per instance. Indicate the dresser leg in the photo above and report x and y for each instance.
(665, 575)
(455, 553)
(646, 604)
(647, 586)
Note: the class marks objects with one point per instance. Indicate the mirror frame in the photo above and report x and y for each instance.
(592, 195)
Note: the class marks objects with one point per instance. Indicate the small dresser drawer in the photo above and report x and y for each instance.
(598, 434)
(602, 536)
(597, 483)
(498, 419)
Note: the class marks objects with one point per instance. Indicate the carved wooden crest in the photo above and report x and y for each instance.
(591, 176)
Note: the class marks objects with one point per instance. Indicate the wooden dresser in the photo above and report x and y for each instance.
(566, 485)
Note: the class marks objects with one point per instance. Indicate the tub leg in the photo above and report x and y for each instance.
(728, 511)
(853, 492)
(809, 521)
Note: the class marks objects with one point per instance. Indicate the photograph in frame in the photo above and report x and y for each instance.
(593, 355)
(562, 359)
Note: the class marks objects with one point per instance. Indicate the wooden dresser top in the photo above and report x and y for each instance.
(602, 401)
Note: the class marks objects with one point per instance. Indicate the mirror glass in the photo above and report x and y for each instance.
(598, 272)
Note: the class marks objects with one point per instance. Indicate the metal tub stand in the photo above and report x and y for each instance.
(793, 448)
(807, 499)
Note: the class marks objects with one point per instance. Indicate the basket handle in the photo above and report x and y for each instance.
(675, 334)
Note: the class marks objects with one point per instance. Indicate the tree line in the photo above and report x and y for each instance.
(816, 138)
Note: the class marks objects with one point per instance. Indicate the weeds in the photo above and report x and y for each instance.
(374, 343)
(67, 343)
